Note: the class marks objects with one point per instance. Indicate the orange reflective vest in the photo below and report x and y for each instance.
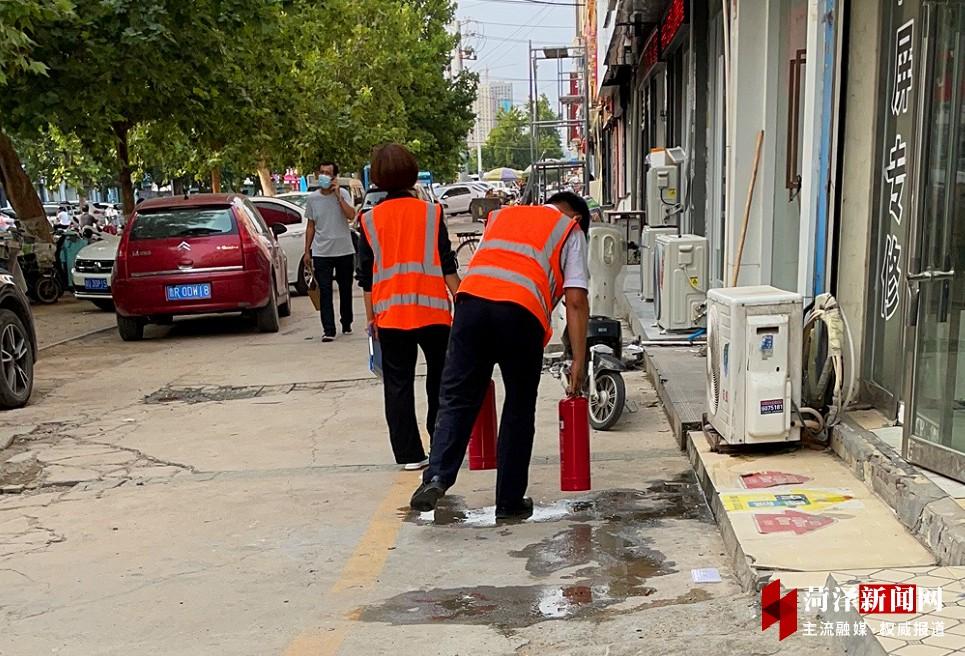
(518, 260)
(408, 289)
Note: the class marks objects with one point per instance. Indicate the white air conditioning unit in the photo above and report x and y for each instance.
(648, 258)
(663, 184)
(681, 280)
(754, 364)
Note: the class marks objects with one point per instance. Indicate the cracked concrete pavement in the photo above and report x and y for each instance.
(212, 490)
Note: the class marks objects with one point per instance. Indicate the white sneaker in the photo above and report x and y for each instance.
(416, 466)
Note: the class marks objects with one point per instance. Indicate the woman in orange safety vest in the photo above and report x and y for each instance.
(407, 270)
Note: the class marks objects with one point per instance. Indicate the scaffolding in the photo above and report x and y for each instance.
(572, 112)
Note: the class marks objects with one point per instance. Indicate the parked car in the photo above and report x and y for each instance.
(90, 277)
(292, 215)
(374, 195)
(458, 197)
(18, 344)
(197, 255)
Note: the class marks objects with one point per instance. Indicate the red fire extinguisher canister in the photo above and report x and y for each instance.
(574, 444)
(482, 442)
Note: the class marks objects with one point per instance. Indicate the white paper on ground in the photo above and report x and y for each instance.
(705, 575)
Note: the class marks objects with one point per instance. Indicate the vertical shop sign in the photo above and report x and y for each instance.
(895, 171)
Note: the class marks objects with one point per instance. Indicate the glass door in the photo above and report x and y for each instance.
(935, 434)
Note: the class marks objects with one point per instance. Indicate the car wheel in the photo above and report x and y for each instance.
(106, 306)
(16, 361)
(305, 276)
(267, 317)
(131, 329)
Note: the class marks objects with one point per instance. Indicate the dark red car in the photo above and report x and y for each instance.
(197, 255)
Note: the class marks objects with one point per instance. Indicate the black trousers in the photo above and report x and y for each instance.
(342, 266)
(486, 333)
(399, 355)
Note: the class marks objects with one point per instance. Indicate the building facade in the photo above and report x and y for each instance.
(824, 152)
(492, 97)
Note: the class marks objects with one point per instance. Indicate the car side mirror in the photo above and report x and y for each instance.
(278, 228)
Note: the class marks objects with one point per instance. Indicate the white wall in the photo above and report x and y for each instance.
(753, 81)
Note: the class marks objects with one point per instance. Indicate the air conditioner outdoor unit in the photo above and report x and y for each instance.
(648, 258)
(663, 184)
(754, 364)
(681, 281)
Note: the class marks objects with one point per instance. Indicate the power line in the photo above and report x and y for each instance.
(551, 3)
(542, 12)
(548, 27)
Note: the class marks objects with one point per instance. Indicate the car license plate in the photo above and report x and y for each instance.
(95, 284)
(197, 291)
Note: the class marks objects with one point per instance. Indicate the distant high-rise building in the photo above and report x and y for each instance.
(490, 99)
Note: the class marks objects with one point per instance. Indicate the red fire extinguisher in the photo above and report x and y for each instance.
(574, 444)
(482, 442)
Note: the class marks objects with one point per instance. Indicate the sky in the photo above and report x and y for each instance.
(504, 28)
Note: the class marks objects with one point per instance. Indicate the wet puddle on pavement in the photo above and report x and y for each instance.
(601, 556)
(678, 498)
(613, 566)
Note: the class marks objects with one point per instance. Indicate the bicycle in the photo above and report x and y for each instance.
(468, 243)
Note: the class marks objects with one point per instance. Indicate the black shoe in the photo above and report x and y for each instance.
(427, 495)
(347, 331)
(521, 510)
(328, 338)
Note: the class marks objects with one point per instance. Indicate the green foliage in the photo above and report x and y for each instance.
(19, 19)
(171, 89)
(58, 157)
(509, 144)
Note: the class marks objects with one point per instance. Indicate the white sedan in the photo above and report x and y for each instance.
(458, 197)
(90, 276)
(280, 209)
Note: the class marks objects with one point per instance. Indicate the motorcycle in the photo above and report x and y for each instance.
(605, 388)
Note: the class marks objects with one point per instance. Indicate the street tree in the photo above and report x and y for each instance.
(20, 20)
(101, 79)
(509, 144)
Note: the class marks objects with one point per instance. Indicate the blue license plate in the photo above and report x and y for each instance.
(95, 284)
(194, 292)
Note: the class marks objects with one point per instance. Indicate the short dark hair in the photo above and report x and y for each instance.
(577, 203)
(394, 168)
(328, 162)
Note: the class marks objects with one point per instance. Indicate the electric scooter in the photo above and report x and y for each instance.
(605, 364)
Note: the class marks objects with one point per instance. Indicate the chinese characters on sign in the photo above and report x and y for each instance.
(895, 175)
(895, 169)
(903, 64)
(890, 276)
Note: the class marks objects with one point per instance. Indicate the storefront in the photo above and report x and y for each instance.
(917, 287)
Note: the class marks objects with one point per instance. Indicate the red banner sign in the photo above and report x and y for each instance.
(671, 23)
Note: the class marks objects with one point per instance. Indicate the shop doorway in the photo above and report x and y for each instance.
(934, 434)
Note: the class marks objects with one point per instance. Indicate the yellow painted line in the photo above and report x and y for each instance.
(362, 569)
(368, 559)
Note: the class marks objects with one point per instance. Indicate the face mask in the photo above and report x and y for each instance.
(324, 181)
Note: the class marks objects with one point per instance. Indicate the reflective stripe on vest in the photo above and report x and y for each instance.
(411, 299)
(541, 256)
(426, 266)
(513, 277)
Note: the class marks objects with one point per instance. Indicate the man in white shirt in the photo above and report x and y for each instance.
(63, 217)
(329, 248)
(502, 316)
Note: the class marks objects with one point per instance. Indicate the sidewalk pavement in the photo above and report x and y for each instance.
(855, 513)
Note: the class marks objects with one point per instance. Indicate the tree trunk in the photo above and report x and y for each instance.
(216, 180)
(177, 187)
(264, 176)
(124, 168)
(21, 193)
